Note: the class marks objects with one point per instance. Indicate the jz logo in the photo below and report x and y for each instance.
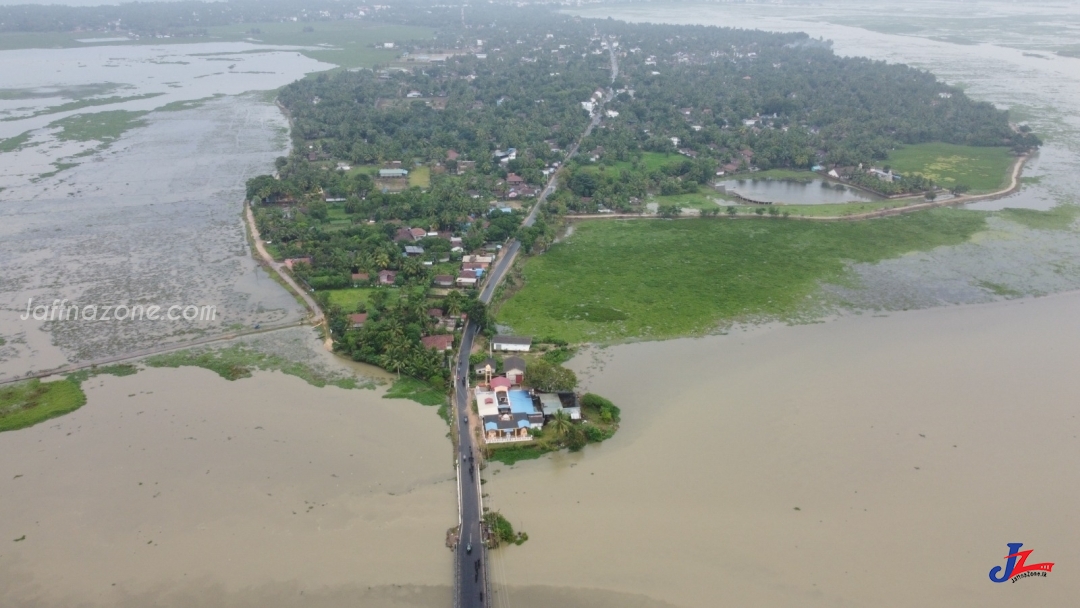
(1016, 566)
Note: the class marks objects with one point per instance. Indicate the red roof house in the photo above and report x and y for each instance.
(442, 342)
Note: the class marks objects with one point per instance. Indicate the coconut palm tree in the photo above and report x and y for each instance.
(560, 424)
(380, 259)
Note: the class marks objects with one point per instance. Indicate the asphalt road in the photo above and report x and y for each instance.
(470, 556)
(470, 564)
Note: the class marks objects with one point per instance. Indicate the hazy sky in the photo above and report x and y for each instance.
(71, 2)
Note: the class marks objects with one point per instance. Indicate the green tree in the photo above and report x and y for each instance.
(550, 377)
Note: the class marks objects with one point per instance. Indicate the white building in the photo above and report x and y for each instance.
(511, 343)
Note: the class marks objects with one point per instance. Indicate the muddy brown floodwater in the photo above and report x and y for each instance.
(178, 488)
(863, 462)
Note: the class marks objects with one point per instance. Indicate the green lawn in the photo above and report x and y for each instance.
(349, 299)
(615, 280)
(979, 168)
(27, 403)
(420, 176)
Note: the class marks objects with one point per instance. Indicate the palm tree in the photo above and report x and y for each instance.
(560, 424)
(380, 259)
(453, 303)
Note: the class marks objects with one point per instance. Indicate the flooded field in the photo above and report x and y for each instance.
(157, 222)
(871, 460)
(179, 488)
(862, 462)
(116, 204)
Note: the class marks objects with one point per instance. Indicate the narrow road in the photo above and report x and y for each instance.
(267, 259)
(470, 556)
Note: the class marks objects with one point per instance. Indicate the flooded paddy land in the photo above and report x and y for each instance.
(179, 488)
(116, 204)
(865, 462)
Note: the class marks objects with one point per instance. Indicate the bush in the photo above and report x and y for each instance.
(576, 439)
(593, 433)
(607, 410)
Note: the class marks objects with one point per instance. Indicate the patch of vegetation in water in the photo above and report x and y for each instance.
(686, 277)
(119, 369)
(184, 104)
(1000, 290)
(105, 127)
(502, 530)
(510, 454)
(82, 103)
(236, 362)
(416, 390)
(12, 144)
(1061, 217)
(24, 404)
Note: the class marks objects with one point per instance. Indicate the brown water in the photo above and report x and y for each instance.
(914, 447)
(179, 488)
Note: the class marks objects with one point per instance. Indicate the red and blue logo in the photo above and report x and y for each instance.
(1016, 566)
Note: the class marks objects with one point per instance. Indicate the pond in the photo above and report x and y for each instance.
(790, 192)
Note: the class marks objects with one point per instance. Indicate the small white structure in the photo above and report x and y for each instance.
(511, 343)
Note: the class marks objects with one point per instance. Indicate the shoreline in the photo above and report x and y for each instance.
(1014, 186)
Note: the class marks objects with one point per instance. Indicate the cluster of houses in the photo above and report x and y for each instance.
(509, 410)
(472, 270)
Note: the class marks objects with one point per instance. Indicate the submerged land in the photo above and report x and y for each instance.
(397, 211)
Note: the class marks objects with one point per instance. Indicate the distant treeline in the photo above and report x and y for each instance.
(163, 17)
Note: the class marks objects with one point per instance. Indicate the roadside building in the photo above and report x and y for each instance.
(358, 319)
(511, 343)
(514, 369)
(387, 277)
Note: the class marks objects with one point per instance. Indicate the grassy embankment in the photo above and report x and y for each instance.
(422, 393)
(24, 404)
(619, 280)
(979, 168)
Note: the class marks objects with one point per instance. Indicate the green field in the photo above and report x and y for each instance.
(616, 280)
(697, 200)
(27, 403)
(420, 176)
(980, 169)
(650, 161)
(349, 299)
